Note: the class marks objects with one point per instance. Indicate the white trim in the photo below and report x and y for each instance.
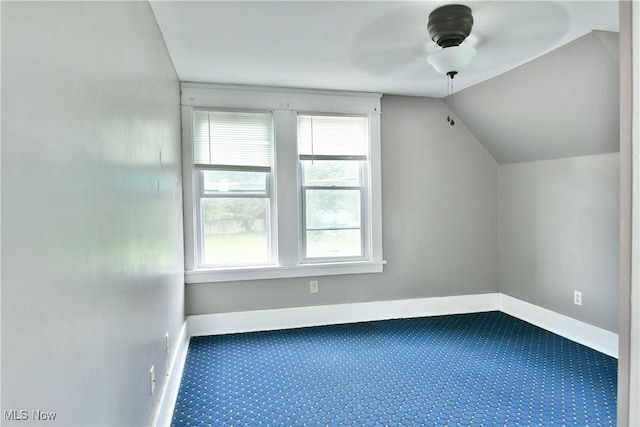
(188, 196)
(286, 193)
(375, 188)
(171, 384)
(275, 98)
(279, 272)
(634, 297)
(575, 330)
(298, 317)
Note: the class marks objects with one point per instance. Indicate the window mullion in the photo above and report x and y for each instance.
(374, 190)
(287, 195)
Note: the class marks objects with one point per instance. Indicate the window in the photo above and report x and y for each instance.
(232, 157)
(280, 183)
(333, 163)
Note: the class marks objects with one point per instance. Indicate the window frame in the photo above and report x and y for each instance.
(286, 237)
(200, 223)
(197, 178)
(364, 235)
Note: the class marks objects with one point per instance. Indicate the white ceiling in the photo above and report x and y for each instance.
(373, 46)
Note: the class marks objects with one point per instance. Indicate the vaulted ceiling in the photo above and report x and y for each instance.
(543, 84)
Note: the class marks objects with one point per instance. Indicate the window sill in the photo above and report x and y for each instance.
(212, 275)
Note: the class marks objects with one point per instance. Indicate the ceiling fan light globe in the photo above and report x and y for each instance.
(451, 59)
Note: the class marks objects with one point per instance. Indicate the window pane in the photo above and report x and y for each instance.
(323, 173)
(235, 231)
(332, 209)
(334, 244)
(234, 182)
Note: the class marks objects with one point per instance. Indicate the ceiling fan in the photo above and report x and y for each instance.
(448, 27)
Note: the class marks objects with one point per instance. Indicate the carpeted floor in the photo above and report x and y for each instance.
(462, 370)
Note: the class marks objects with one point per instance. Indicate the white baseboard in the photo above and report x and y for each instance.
(171, 384)
(575, 330)
(299, 317)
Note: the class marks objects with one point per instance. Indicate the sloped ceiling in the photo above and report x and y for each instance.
(563, 104)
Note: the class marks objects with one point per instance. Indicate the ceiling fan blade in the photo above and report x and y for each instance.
(514, 24)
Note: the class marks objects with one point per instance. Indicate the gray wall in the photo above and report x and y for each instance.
(92, 257)
(562, 104)
(439, 207)
(558, 232)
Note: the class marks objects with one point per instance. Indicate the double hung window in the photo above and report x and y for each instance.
(333, 161)
(233, 156)
(280, 183)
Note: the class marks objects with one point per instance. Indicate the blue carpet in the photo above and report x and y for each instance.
(473, 369)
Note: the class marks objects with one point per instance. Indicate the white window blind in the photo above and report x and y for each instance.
(333, 137)
(232, 140)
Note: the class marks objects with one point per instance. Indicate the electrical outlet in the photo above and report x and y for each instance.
(152, 380)
(577, 297)
(166, 344)
(313, 287)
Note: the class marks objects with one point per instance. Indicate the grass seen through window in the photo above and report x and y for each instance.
(250, 247)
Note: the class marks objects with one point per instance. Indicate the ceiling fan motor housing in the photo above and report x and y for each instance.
(449, 25)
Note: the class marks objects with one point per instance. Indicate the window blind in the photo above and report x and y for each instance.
(333, 137)
(232, 140)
